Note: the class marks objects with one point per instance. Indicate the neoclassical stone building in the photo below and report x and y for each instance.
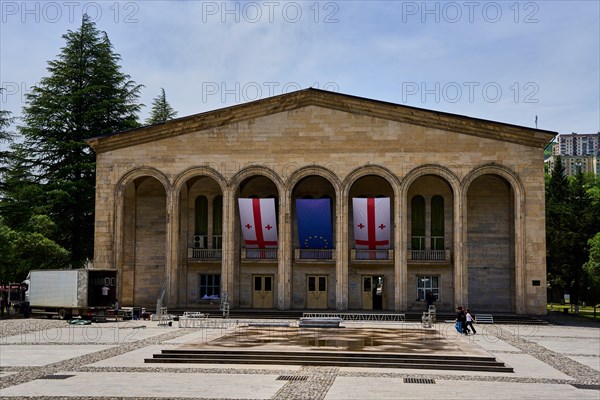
(466, 204)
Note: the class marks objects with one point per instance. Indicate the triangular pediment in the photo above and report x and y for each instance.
(331, 100)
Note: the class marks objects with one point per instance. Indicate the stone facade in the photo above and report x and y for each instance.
(488, 176)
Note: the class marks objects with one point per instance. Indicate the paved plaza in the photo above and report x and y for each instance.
(50, 359)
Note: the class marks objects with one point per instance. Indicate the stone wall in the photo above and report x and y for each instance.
(150, 239)
(490, 237)
(337, 145)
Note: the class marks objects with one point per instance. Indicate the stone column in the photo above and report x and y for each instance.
(124, 244)
(400, 260)
(284, 253)
(460, 248)
(118, 242)
(228, 251)
(519, 231)
(182, 248)
(172, 246)
(342, 253)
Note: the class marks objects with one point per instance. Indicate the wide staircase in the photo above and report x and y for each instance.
(409, 316)
(331, 358)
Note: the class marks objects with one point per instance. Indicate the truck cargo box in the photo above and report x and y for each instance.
(74, 291)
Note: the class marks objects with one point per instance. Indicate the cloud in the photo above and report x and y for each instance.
(213, 54)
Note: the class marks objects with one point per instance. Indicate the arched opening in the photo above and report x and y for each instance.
(430, 237)
(371, 277)
(257, 233)
(200, 242)
(143, 274)
(490, 244)
(313, 204)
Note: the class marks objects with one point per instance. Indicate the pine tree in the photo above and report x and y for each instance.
(5, 138)
(161, 110)
(5, 121)
(85, 95)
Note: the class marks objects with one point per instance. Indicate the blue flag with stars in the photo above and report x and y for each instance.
(314, 223)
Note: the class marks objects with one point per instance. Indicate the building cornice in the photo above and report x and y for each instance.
(330, 100)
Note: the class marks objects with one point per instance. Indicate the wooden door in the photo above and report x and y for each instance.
(316, 291)
(262, 291)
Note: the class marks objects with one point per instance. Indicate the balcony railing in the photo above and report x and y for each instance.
(259, 254)
(314, 254)
(428, 255)
(205, 254)
(368, 255)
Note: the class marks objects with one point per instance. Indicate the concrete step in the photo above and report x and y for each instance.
(411, 316)
(341, 359)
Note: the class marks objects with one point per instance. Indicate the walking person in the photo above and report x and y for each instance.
(470, 319)
(460, 321)
(116, 308)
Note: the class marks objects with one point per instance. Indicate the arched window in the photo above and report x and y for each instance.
(417, 213)
(437, 223)
(217, 210)
(201, 222)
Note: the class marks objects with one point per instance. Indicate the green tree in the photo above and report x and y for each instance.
(5, 121)
(572, 218)
(5, 138)
(22, 196)
(557, 213)
(161, 110)
(592, 269)
(24, 250)
(85, 95)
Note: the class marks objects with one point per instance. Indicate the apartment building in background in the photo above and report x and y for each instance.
(577, 151)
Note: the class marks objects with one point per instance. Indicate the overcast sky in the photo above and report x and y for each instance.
(506, 61)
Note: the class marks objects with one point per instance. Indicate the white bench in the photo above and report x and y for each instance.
(189, 319)
(188, 314)
(320, 322)
(484, 318)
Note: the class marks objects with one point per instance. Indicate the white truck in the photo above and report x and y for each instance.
(87, 293)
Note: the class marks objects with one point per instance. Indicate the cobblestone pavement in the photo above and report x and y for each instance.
(561, 360)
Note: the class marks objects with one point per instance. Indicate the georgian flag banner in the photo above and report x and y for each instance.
(259, 225)
(371, 223)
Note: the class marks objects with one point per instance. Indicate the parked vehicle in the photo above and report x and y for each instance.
(87, 293)
(12, 299)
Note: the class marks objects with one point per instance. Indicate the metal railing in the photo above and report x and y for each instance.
(314, 254)
(259, 254)
(366, 255)
(428, 255)
(205, 254)
(357, 316)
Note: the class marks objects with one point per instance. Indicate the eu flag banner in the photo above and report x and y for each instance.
(314, 223)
